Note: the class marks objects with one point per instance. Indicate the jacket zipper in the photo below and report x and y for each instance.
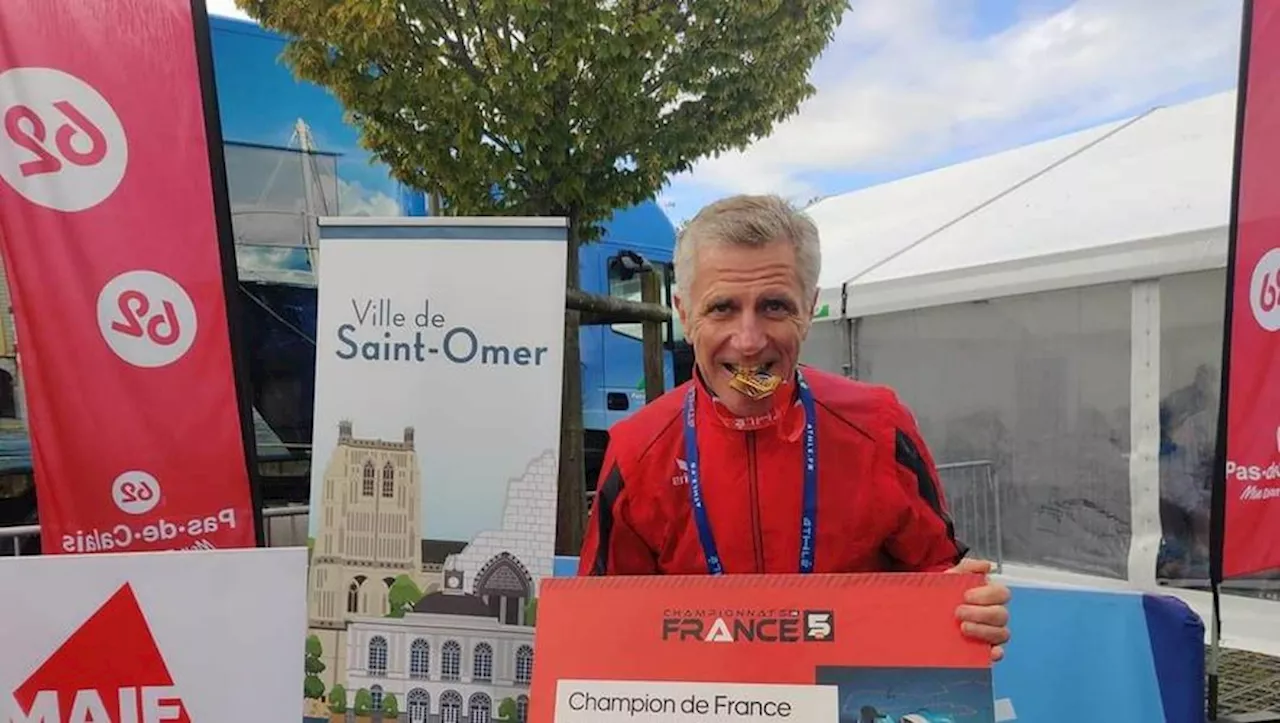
(757, 539)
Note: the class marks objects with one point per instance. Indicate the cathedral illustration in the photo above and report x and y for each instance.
(460, 646)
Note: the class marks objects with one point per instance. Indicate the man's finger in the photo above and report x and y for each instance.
(984, 614)
(988, 595)
(970, 565)
(997, 653)
(986, 633)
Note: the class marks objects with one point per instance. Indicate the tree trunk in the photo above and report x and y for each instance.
(571, 488)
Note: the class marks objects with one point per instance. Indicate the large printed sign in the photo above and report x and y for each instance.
(116, 273)
(439, 359)
(879, 648)
(1248, 503)
(152, 638)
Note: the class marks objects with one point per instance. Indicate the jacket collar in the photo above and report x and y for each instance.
(786, 415)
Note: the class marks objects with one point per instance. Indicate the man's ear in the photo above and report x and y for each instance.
(680, 311)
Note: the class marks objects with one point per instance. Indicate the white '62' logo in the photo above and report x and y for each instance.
(146, 318)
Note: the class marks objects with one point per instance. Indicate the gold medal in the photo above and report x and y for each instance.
(754, 382)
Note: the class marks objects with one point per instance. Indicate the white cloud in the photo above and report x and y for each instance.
(225, 8)
(903, 83)
(356, 200)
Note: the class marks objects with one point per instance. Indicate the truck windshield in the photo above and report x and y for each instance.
(629, 289)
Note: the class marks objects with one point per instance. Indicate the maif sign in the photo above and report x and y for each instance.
(154, 637)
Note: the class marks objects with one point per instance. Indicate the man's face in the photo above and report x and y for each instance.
(747, 307)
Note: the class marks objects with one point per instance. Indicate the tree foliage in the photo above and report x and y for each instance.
(338, 698)
(312, 686)
(390, 706)
(402, 596)
(364, 702)
(572, 107)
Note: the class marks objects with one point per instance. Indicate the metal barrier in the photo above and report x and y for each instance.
(285, 527)
(973, 496)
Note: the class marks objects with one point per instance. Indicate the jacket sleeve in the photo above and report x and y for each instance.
(612, 545)
(925, 540)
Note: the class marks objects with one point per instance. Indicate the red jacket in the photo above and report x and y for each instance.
(880, 507)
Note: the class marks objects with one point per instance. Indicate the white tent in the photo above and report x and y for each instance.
(1145, 196)
(1052, 314)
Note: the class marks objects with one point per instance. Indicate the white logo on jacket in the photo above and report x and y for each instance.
(681, 477)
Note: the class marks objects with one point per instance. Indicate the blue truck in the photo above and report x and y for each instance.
(291, 154)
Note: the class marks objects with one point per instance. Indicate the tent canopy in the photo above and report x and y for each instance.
(1140, 197)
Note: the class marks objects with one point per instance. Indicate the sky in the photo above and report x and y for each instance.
(910, 85)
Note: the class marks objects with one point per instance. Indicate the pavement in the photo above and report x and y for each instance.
(1248, 682)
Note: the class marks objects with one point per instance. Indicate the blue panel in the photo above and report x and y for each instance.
(1177, 647)
(564, 566)
(1078, 655)
(446, 233)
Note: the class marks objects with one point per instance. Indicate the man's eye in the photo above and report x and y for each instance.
(775, 306)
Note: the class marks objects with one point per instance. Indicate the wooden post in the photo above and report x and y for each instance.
(651, 293)
(613, 310)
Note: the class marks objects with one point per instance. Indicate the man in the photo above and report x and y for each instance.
(757, 465)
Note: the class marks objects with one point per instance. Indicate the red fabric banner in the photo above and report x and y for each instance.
(118, 270)
(1248, 504)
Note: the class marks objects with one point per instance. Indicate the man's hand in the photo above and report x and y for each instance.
(984, 616)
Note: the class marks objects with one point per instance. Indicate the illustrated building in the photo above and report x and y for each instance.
(528, 529)
(368, 534)
(466, 646)
(448, 661)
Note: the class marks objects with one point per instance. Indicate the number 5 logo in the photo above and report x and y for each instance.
(146, 318)
(819, 625)
(61, 143)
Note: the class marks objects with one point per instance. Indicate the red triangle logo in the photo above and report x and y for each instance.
(110, 670)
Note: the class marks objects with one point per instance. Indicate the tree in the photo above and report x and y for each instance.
(364, 702)
(312, 686)
(571, 108)
(402, 596)
(338, 698)
(390, 708)
(531, 612)
(507, 709)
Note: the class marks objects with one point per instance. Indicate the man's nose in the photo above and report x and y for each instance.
(749, 337)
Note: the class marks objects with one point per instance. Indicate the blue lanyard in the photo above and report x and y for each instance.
(809, 513)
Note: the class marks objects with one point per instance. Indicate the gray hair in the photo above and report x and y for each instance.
(754, 221)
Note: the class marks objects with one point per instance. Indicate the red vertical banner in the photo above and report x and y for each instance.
(115, 232)
(1247, 493)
